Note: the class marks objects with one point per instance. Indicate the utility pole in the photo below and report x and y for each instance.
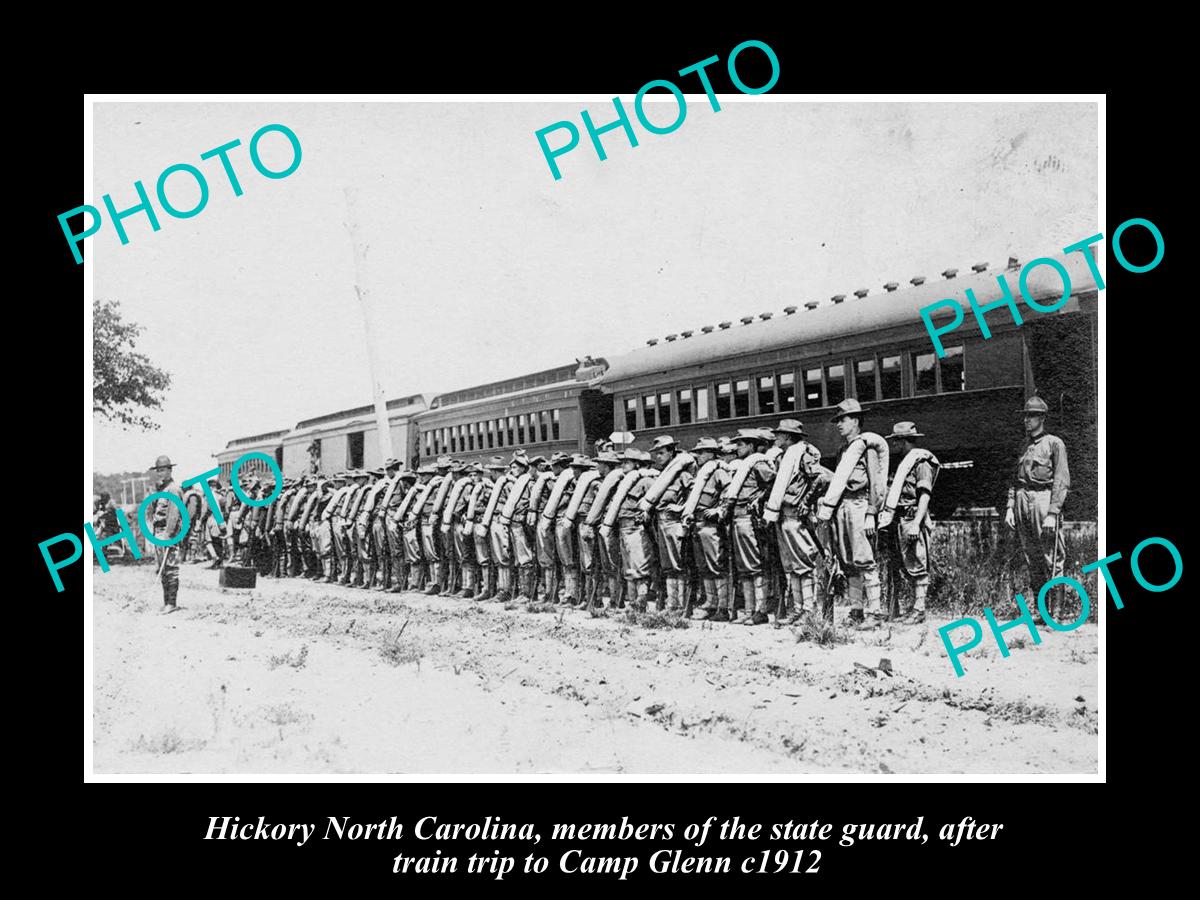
(382, 426)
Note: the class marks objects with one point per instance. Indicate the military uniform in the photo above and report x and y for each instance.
(394, 510)
(520, 527)
(795, 528)
(746, 509)
(501, 536)
(462, 533)
(480, 501)
(669, 530)
(709, 547)
(586, 567)
(453, 543)
(549, 525)
(637, 545)
(165, 524)
(607, 542)
(194, 498)
(854, 548)
(1039, 489)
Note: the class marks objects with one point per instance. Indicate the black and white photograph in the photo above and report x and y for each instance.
(531, 436)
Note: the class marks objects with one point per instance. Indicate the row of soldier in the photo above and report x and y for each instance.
(753, 518)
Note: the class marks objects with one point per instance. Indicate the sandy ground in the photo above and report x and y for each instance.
(302, 677)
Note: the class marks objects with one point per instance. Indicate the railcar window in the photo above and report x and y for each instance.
(664, 409)
(835, 385)
(724, 406)
(683, 400)
(453, 438)
(436, 442)
(924, 373)
(511, 435)
(766, 395)
(554, 423)
(428, 443)
(491, 433)
(864, 379)
(701, 403)
(471, 436)
(787, 391)
(631, 414)
(889, 378)
(741, 398)
(545, 426)
(650, 411)
(812, 389)
(521, 428)
(953, 370)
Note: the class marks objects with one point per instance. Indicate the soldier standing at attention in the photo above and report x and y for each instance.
(913, 526)
(668, 515)
(1035, 502)
(413, 555)
(702, 514)
(805, 482)
(395, 530)
(352, 577)
(854, 511)
(517, 516)
(498, 531)
(165, 525)
(379, 529)
(637, 545)
(462, 532)
(481, 502)
(607, 544)
(546, 522)
(744, 499)
(454, 580)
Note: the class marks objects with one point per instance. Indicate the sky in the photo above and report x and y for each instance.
(478, 265)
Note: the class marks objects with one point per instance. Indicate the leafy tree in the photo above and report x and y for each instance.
(123, 381)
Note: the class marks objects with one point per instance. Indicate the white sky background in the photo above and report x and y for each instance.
(482, 266)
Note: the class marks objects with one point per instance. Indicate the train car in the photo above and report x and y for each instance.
(555, 410)
(347, 439)
(876, 348)
(270, 443)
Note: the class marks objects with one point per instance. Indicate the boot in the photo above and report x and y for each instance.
(710, 600)
(525, 585)
(747, 613)
(435, 572)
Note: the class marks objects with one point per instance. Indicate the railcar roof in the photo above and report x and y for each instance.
(853, 316)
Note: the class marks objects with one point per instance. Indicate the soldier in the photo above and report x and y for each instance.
(547, 510)
(413, 545)
(215, 531)
(582, 567)
(430, 515)
(310, 565)
(480, 502)
(607, 541)
(368, 549)
(800, 481)
(291, 519)
(743, 501)
(194, 498)
(702, 514)
(165, 525)
(105, 520)
(852, 501)
(665, 501)
(397, 510)
(453, 546)
(1035, 499)
(566, 514)
(333, 514)
(499, 533)
(519, 518)
(461, 536)
(637, 546)
(913, 526)
(379, 533)
(352, 557)
(323, 529)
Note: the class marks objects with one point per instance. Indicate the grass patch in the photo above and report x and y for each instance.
(540, 606)
(818, 630)
(295, 660)
(283, 714)
(169, 741)
(655, 619)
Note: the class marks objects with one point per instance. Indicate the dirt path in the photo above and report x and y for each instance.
(301, 677)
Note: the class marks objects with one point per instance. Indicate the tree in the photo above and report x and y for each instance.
(123, 381)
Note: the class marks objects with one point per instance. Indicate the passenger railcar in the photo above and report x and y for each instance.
(875, 348)
(541, 413)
